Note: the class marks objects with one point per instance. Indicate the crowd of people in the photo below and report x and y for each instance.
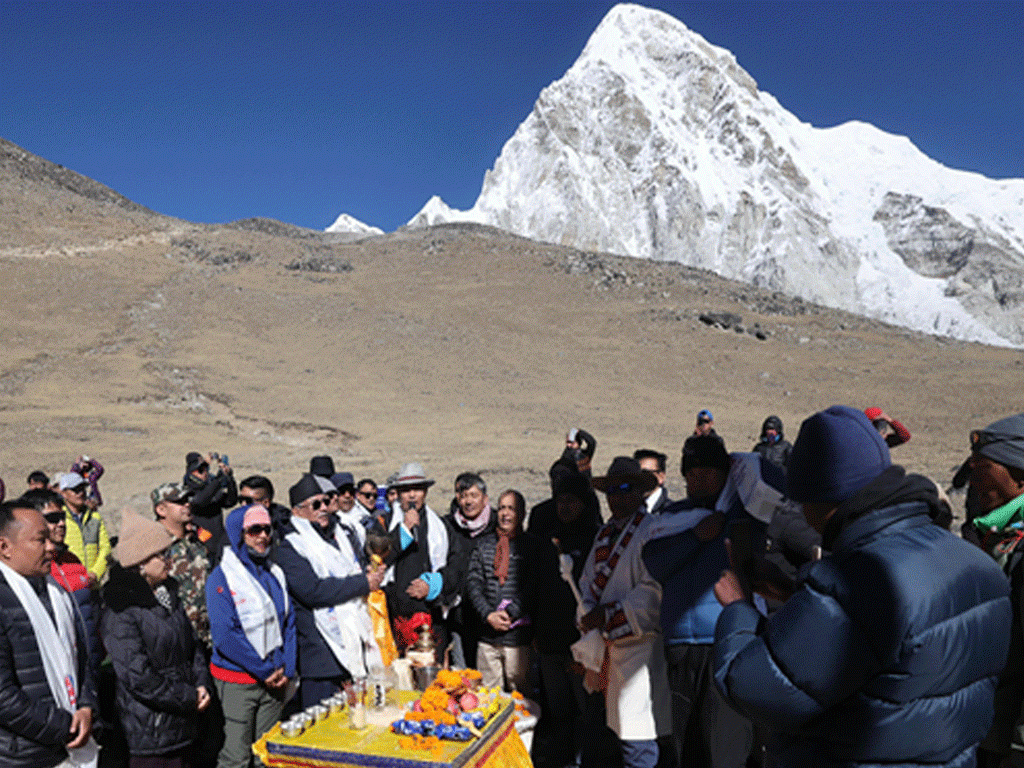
(804, 605)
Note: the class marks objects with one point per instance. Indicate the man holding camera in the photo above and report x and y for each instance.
(210, 493)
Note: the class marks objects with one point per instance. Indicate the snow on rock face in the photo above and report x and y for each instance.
(658, 144)
(346, 224)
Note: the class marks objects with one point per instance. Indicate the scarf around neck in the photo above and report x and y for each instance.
(58, 648)
(502, 555)
(477, 525)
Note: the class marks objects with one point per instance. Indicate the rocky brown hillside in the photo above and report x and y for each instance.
(135, 338)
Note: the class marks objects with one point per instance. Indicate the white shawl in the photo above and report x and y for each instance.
(58, 648)
(437, 539)
(255, 608)
(346, 628)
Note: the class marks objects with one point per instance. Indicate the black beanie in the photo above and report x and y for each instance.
(705, 451)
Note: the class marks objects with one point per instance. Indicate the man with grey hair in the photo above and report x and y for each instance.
(471, 517)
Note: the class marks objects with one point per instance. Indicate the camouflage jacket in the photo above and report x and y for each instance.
(190, 565)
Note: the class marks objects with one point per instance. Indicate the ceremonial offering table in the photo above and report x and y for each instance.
(331, 743)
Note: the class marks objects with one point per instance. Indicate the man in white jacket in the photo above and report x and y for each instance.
(620, 611)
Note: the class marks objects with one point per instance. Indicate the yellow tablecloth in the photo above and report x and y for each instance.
(332, 744)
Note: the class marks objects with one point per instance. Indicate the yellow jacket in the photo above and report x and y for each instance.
(88, 540)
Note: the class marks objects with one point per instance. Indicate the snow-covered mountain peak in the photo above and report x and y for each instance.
(656, 143)
(346, 224)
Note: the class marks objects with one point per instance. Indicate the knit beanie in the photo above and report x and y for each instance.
(256, 514)
(1002, 441)
(140, 538)
(837, 453)
(704, 451)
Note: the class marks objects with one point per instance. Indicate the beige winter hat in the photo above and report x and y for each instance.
(140, 538)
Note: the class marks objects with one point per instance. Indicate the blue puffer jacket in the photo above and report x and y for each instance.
(887, 653)
(231, 650)
(687, 568)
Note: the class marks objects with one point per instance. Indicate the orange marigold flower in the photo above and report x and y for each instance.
(448, 680)
(434, 698)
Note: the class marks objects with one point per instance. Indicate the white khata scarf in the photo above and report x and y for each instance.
(256, 610)
(437, 539)
(58, 648)
(346, 628)
(437, 547)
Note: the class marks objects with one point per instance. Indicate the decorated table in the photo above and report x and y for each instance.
(332, 743)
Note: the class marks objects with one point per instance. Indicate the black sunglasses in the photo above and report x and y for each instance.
(54, 517)
(247, 500)
(368, 494)
(256, 530)
(315, 504)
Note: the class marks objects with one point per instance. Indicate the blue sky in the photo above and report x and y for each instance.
(298, 111)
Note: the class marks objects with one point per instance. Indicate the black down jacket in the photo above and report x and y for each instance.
(33, 730)
(526, 561)
(158, 661)
(888, 652)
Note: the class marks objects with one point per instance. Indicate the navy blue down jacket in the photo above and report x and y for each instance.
(889, 650)
(33, 729)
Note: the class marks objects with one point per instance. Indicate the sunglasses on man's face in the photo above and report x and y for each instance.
(243, 500)
(315, 504)
(368, 494)
(54, 517)
(256, 530)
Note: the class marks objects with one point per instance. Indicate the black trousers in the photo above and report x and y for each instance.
(707, 731)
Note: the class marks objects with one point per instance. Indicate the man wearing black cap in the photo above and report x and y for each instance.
(996, 471)
(889, 649)
(328, 580)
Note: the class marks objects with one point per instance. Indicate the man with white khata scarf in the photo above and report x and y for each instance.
(329, 580)
(47, 698)
(423, 579)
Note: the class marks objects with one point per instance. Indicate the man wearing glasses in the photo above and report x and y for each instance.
(86, 533)
(257, 489)
(67, 569)
(327, 579)
(366, 497)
